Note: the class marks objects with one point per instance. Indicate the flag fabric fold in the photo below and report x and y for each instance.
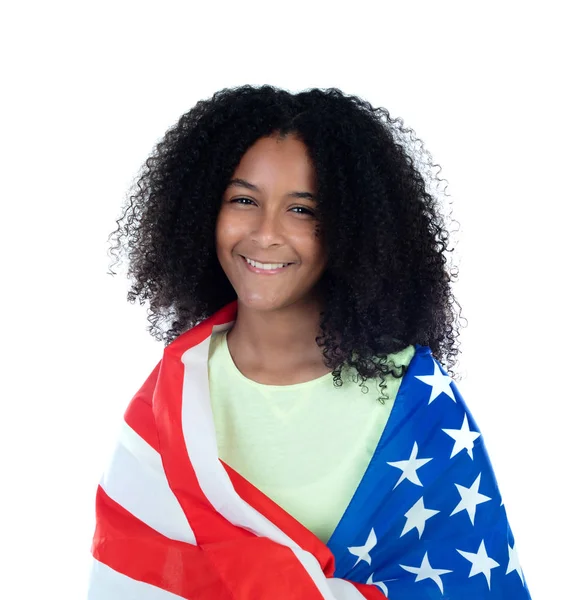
(175, 522)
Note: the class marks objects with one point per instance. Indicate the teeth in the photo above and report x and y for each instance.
(267, 266)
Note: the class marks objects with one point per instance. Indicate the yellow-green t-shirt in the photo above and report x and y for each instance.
(305, 445)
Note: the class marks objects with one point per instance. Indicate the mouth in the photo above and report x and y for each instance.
(261, 271)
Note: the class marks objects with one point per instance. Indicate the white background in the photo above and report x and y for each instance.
(88, 88)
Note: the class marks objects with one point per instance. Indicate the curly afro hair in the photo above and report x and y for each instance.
(388, 281)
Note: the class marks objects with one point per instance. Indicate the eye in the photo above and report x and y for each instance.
(307, 211)
(238, 199)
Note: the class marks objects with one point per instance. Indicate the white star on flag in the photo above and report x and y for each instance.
(514, 563)
(417, 516)
(362, 552)
(471, 498)
(426, 571)
(481, 562)
(379, 584)
(439, 382)
(463, 438)
(410, 466)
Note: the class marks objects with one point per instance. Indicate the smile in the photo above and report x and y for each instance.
(265, 269)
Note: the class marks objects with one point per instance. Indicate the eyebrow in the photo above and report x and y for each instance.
(250, 186)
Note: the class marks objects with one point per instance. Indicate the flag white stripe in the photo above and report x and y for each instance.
(200, 437)
(105, 583)
(136, 480)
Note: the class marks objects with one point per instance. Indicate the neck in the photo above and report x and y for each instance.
(278, 338)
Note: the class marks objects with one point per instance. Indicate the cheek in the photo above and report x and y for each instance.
(316, 248)
(231, 222)
(225, 231)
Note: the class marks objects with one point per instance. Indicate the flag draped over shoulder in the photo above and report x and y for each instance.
(173, 521)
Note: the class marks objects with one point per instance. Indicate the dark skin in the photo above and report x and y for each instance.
(268, 214)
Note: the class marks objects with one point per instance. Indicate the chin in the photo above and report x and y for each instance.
(264, 304)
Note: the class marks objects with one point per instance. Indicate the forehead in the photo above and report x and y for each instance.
(273, 160)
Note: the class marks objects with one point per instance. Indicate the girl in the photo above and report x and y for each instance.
(300, 437)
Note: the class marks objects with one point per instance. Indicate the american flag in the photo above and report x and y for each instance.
(173, 521)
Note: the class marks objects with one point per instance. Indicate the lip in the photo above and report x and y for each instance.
(264, 271)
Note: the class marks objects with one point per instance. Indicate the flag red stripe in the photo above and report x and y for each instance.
(287, 523)
(130, 547)
(139, 414)
(241, 569)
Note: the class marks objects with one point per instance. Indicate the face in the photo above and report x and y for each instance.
(268, 214)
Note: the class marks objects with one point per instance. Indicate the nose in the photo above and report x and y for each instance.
(268, 230)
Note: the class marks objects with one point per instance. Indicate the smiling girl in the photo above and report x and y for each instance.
(301, 436)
